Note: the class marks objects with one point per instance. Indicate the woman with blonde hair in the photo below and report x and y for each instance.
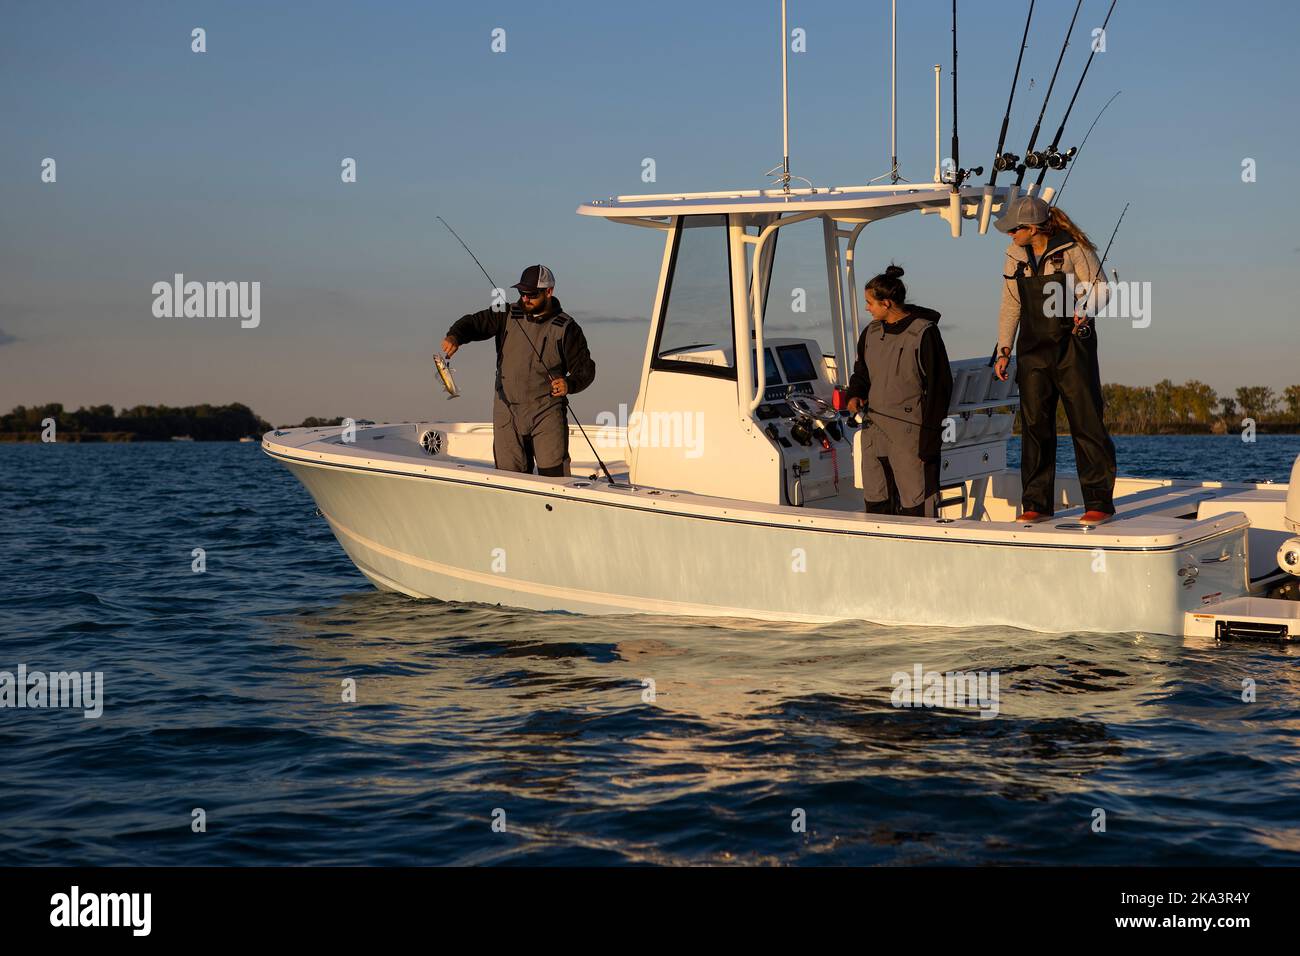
(1051, 291)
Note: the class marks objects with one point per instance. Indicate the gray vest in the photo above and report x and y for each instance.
(523, 379)
(894, 364)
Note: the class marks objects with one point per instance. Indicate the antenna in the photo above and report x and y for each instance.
(938, 171)
(784, 165)
(1032, 159)
(785, 104)
(893, 94)
(1005, 161)
(1058, 160)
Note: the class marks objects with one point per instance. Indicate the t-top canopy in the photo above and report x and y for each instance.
(842, 202)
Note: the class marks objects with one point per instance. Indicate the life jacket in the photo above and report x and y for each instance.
(895, 401)
(517, 359)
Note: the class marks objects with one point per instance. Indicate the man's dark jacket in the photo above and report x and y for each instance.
(575, 364)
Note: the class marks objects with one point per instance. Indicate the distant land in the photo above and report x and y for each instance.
(101, 423)
(1192, 408)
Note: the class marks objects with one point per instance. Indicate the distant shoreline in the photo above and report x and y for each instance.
(1163, 409)
(122, 438)
(116, 438)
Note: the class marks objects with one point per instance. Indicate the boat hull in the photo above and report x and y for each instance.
(439, 536)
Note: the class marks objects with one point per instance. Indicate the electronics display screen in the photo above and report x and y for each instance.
(770, 371)
(797, 362)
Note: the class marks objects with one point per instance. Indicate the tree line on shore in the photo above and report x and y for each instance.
(1130, 410)
(1195, 407)
(141, 423)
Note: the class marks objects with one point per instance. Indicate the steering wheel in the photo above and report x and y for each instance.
(810, 406)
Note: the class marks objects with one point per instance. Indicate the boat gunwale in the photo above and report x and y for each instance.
(1008, 535)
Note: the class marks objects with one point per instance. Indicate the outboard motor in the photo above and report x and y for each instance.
(1288, 555)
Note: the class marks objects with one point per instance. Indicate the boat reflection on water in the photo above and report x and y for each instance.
(695, 740)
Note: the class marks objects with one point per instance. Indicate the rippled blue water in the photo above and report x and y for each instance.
(223, 693)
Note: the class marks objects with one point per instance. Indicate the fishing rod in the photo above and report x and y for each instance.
(1006, 161)
(1102, 268)
(528, 338)
(1032, 158)
(1053, 159)
(1057, 197)
(958, 174)
(1084, 329)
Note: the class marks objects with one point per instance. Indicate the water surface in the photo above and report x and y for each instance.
(223, 692)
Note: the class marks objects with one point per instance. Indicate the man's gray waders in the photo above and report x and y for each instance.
(891, 437)
(528, 424)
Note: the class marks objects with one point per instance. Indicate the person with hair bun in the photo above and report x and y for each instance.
(1052, 286)
(902, 379)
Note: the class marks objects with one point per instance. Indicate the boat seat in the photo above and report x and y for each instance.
(973, 383)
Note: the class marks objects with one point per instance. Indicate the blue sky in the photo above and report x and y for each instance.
(225, 166)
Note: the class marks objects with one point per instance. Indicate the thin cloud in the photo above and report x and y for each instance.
(602, 318)
(944, 325)
(6, 338)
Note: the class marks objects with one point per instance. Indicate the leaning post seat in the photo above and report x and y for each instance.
(982, 411)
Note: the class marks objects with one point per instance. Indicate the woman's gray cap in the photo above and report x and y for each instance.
(1026, 211)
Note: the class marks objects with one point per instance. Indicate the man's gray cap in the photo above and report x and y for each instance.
(1025, 211)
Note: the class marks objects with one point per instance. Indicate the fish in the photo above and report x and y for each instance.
(444, 374)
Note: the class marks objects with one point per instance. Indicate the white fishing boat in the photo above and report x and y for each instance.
(734, 485)
(736, 493)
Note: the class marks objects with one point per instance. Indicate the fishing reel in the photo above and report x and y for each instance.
(957, 177)
(1056, 160)
(1036, 159)
(1051, 158)
(1084, 329)
(1005, 162)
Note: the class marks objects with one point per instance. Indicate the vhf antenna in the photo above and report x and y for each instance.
(1003, 162)
(785, 103)
(893, 93)
(1033, 159)
(784, 165)
(1051, 158)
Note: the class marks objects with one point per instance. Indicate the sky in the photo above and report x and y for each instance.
(225, 165)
